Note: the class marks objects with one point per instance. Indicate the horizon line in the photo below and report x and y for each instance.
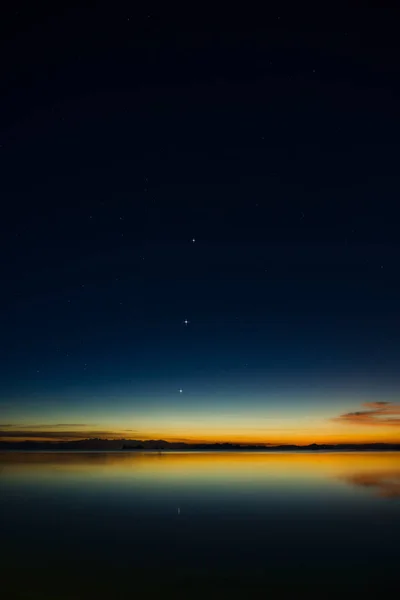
(13, 441)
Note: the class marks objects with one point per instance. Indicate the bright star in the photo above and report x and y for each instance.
(180, 391)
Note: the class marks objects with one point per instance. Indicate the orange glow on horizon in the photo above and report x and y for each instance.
(299, 438)
(373, 422)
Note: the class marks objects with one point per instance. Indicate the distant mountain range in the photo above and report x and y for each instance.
(137, 445)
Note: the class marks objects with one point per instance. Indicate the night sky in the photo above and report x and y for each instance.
(199, 225)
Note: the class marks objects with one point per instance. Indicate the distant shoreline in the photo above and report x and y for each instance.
(175, 451)
(161, 446)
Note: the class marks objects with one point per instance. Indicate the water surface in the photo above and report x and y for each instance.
(116, 524)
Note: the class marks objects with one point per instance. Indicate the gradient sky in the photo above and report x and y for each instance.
(240, 174)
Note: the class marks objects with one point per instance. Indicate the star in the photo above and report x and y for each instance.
(180, 391)
(193, 240)
(186, 322)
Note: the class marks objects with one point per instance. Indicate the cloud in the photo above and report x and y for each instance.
(43, 425)
(57, 431)
(54, 434)
(50, 425)
(377, 414)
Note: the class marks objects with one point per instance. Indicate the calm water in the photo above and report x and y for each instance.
(196, 525)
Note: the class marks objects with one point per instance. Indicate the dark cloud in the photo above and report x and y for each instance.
(378, 413)
(50, 425)
(54, 434)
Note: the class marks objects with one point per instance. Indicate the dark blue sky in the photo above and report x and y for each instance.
(271, 140)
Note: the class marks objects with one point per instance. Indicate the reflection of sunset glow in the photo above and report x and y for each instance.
(369, 469)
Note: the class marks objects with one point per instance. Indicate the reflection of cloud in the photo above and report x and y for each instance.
(378, 413)
(386, 484)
